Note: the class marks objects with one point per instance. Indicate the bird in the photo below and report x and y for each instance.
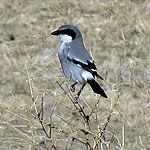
(76, 63)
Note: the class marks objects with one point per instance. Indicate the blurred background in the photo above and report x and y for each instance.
(117, 35)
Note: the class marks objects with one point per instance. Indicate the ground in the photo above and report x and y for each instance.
(116, 34)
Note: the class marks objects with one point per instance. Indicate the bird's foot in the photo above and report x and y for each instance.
(72, 87)
(76, 98)
(77, 95)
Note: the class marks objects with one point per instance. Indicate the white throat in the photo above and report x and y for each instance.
(65, 38)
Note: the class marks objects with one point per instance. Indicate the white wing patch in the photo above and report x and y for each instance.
(94, 70)
(79, 65)
(79, 60)
(91, 61)
(87, 75)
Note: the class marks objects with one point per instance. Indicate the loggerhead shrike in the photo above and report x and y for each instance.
(76, 63)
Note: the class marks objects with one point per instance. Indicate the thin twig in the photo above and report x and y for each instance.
(40, 117)
(76, 105)
(102, 135)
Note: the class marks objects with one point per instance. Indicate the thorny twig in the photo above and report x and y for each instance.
(41, 120)
(40, 117)
(77, 105)
(102, 135)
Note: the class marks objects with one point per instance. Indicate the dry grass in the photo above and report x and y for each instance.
(117, 33)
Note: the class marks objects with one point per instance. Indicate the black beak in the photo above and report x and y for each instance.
(55, 32)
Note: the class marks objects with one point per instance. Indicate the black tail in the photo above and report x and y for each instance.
(96, 88)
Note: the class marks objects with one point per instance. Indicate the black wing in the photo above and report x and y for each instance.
(89, 66)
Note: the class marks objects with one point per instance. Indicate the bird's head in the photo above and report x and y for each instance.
(67, 33)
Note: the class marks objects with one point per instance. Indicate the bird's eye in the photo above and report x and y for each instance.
(71, 33)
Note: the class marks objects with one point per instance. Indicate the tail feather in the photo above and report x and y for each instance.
(99, 76)
(96, 88)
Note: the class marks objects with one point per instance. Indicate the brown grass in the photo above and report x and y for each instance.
(117, 34)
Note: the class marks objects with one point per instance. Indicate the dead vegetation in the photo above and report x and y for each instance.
(37, 111)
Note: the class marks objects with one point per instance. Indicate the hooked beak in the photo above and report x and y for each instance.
(55, 32)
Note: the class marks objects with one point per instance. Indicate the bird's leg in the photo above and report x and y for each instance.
(72, 87)
(78, 94)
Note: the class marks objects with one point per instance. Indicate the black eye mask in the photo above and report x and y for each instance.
(65, 31)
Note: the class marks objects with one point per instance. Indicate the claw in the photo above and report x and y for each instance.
(76, 99)
(72, 87)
